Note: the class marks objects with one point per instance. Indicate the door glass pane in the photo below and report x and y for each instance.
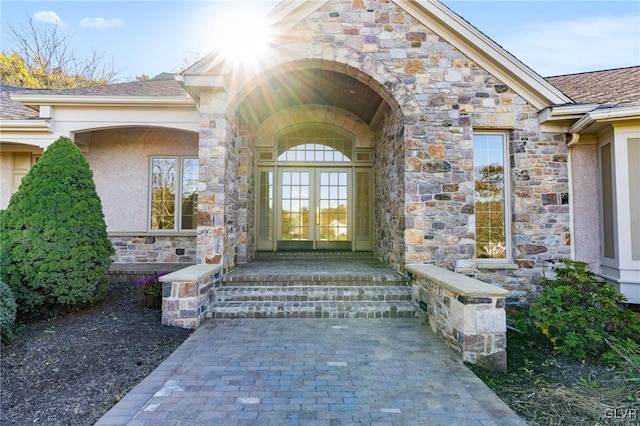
(363, 208)
(294, 219)
(266, 206)
(333, 206)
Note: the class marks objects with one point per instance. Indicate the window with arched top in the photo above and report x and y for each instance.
(315, 144)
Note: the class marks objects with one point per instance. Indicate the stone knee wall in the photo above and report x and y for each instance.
(468, 314)
(187, 294)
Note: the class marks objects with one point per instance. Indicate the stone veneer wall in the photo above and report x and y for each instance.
(389, 191)
(154, 249)
(245, 216)
(212, 194)
(438, 98)
(443, 98)
(231, 208)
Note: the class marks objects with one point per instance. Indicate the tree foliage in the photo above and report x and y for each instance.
(42, 58)
(54, 249)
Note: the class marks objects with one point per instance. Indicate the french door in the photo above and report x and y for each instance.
(307, 208)
(314, 209)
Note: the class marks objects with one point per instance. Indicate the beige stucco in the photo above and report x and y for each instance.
(120, 160)
(585, 204)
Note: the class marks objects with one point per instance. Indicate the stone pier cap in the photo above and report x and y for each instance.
(461, 284)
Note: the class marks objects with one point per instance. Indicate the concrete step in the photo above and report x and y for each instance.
(399, 309)
(313, 293)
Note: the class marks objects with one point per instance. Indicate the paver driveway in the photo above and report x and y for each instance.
(312, 372)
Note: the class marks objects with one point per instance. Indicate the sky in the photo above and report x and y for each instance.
(149, 37)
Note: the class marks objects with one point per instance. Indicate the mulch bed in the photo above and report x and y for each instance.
(72, 369)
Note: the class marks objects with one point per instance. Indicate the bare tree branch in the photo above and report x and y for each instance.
(49, 58)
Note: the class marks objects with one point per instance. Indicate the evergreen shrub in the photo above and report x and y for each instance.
(7, 312)
(54, 249)
(583, 316)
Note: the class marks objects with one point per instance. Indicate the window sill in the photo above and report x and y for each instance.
(154, 234)
(496, 265)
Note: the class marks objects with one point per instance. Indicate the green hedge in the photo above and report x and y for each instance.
(54, 249)
(7, 312)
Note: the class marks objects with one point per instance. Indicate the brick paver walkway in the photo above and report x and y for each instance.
(312, 372)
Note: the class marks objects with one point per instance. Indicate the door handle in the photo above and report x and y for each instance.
(317, 215)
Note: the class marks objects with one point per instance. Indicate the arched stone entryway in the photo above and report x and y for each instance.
(331, 99)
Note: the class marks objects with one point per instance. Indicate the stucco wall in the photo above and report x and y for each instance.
(120, 161)
(586, 205)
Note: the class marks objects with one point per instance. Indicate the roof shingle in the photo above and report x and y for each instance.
(10, 110)
(616, 87)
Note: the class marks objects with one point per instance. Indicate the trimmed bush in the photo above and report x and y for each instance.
(583, 317)
(54, 249)
(7, 312)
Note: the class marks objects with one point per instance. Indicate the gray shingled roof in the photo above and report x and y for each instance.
(10, 110)
(162, 85)
(617, 87)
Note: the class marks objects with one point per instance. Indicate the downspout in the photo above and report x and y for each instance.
(572, 140)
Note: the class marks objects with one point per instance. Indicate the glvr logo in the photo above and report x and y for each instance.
(621, 413)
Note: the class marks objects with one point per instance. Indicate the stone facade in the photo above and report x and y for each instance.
(424, 184)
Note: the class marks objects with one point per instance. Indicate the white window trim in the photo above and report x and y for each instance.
(507, 261)
(178, 202)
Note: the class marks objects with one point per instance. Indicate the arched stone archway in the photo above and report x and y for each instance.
(257, 113)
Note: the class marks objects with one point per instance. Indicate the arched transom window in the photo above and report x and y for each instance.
(315, 144)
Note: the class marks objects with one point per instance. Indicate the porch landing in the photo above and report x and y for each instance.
(313, 285)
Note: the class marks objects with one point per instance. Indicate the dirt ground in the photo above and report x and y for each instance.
(545, 388)
(74, 368)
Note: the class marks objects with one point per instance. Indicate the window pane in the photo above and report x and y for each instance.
(607, 201)
(189, 193)
(490, 200)
(163, 193)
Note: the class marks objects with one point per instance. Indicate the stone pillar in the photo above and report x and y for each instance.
(212, 187)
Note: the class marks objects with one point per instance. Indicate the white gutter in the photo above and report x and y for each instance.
(605, 114)
(566, 112)
(88, 100)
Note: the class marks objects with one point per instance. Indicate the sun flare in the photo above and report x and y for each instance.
(246, 41)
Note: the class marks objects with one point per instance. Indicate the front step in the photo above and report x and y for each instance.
(300, 286)
(313, 310)
(313, 294)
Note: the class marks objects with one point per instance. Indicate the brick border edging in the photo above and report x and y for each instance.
(466, 313)
(187, 294)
